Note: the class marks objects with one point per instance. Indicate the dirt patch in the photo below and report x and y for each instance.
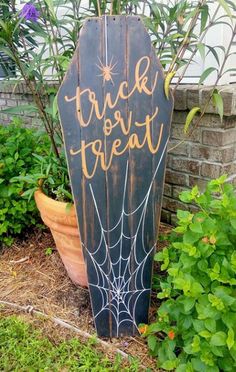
(28, 276)
(41, 280)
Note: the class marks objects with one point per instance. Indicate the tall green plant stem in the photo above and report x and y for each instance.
(99, 8)
(37, 100)
(49, 121)
(54, 41)
(76, 7)
(196, 49)
(184, 43)
(219, 75)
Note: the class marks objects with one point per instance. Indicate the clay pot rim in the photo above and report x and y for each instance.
(61, 206)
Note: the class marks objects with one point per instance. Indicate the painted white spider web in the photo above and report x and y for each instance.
(118, 278)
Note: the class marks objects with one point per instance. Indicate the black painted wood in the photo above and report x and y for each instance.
(116, 120)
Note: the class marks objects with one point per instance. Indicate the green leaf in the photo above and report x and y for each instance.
(195, 344)
(233, 223)
(184, 368)
(196, 227)
(184, 216)
(186, 196)
(219, 181)
(168, 79)
(152, 342)
(210, 324)
(201, 48)
(224, 293)
(29, 193)
(192, 251)
(225, 6)
(188, 303)
(180, 229)
(190, 118)
(55, 107)
(191, 237)
(205, 311)
(178, 245)
(205, 334)
(216, 302)
(196, 289)
(204, 17)
(165, 352)
(50, 6)
(68, 207)
(214, 53)
(206, 73)
(218, 339)
(154, 327)
(202, 265)
(218, 103)
(217, 350)
(7, 52)
(22, 108)
(188, 261)
(230, 338)
(170, 365)
(166, 260)
(195, 191)
(198, 325)
(158, 256)
(230, 69)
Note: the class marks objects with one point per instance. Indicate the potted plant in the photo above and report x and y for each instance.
(49, 185)
(55, 203)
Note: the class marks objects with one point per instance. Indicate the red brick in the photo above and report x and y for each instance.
(177, 132)
(178, 148)
(167, 189)
(229, 169)
(179, 117)
(211, 170)
(219, 137)
(186, 165)
(166, 216)
(223, 155)
(176, 178)
(180, 98)
(169, 160)
(199, 181)
(193, 97)
(173, 204)
(177, 191)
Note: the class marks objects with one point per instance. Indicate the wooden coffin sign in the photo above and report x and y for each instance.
(116, 120)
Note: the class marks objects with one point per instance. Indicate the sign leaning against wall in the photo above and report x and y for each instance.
(116, 119)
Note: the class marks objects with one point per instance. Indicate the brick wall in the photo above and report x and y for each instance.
(207, 154)
(12, 95)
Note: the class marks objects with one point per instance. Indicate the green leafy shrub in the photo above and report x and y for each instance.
(195, 329)
(51, 175)
(17, 144)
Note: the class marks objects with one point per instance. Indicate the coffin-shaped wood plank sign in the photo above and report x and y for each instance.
(116, 121)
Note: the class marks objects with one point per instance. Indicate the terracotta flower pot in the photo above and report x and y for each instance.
(64, 228)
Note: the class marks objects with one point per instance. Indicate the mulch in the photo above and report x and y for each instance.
(28, 276)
